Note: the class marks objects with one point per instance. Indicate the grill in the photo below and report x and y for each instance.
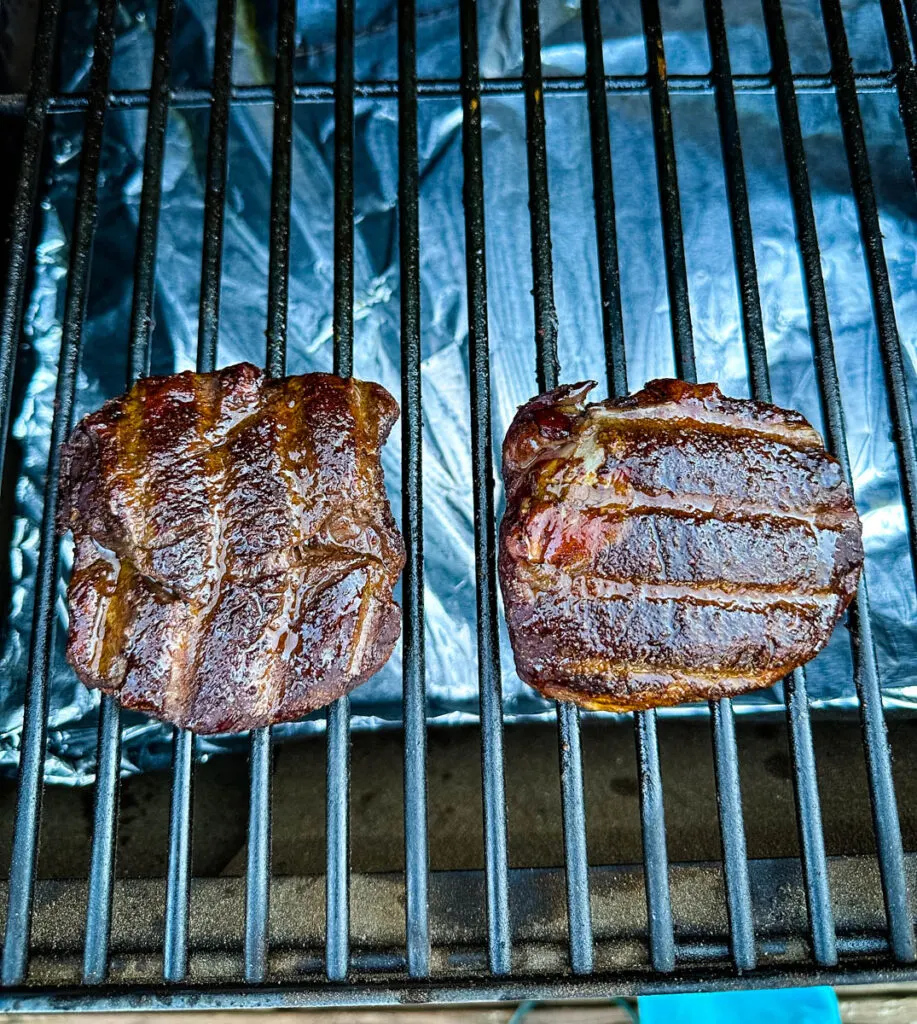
(830, 942)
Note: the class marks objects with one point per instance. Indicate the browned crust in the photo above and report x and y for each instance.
(669, 546)
(235, 550)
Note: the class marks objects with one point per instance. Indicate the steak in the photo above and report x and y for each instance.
(669, 546)
(235, 551)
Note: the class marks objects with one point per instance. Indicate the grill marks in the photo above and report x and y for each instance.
(696, 544)
(235, 549)
(686, 463)
(732, 553)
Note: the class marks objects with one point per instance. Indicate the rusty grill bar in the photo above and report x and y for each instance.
(408, 976)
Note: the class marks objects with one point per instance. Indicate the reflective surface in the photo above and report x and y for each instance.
(451, 650)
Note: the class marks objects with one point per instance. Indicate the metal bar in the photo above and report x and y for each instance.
(178, 880)
(910, 8)
(104, 844)
(808, 808)
(141, 328)
(258, 867)
(278, 286)
(31, 765)
(652, 810)
(337, 879)
(886, 823)
(35, 106)
(737, 192)
(871, 232)
(337, 875)
(571, 764)
(809, 821)
(417, 865)
(574, 826)
(215, 193)
(655, 854)
(385, 992)
(670, 205)
(729, 798)
(878, 757)
(490, 683)
(257, 879)
(184, 98)
(905, 74)
(343, 191)
(469, 989)
(105, 824)
(539, 203)
(732, 832)
(603, 193)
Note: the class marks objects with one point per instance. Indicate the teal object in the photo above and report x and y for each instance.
(764, 1006)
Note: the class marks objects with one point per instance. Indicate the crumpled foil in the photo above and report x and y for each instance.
(451, 660)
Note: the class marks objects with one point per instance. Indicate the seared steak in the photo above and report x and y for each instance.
(673, 545)
(235, 550)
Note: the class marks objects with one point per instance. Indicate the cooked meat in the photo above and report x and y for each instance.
(673, 545)
(235, 550)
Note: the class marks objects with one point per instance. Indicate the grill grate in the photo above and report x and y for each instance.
(666, 957)
(498, 926)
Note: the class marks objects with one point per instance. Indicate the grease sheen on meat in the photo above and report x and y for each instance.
(235, 550)
(672, 545)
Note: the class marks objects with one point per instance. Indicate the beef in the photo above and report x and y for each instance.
(235, 552)
(669, 546)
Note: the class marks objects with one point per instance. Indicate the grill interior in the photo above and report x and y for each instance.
(577, 929)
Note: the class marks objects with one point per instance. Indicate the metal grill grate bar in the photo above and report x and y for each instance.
(415, 732)
(36, 109)
(343, 190)
(655, 853)
(871, 232)
(258, 868)
(729, 797)
(281, 186)
(215, 194)
(910, 8)
(878, 757)
(652, 810)
(489, 677)
(881, 784)
(737, 191)
(104, 843)
(911, 11)
(905, 74)
(178, 878)
(574, 823)
(732, 832)
(105, 819)
(337, 881)
(815, 869)
(603, 193)
(571, 763)
(539, 202)
(141, 325)
(185, 97)
(28, 807)
(808, 818)
(670, 205)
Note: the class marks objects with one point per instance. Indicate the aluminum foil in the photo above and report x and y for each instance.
(449, 560)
